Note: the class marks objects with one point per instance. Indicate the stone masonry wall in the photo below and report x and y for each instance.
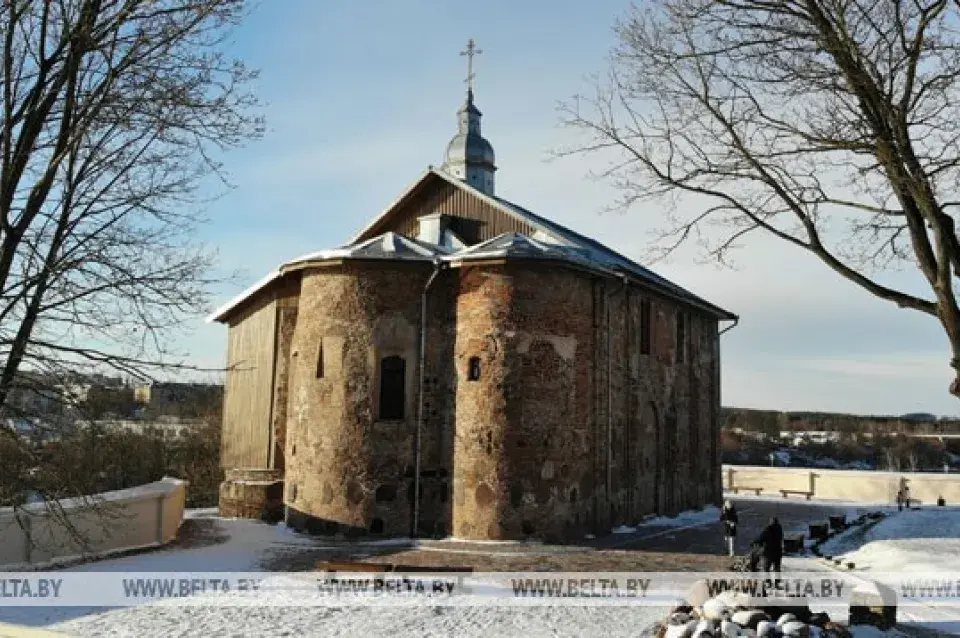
(548, 358)
(542, 417)
(616, 434)
(286, 324)
(483, 328)
(348, 470)
(570, 428)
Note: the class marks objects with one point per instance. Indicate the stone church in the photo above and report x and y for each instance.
(464, 367)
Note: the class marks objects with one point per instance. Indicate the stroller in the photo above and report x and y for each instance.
(751, 562)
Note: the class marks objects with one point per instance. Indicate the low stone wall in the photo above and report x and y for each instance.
(20, 631)
(252, 493)
(862, 486)
(42, 534)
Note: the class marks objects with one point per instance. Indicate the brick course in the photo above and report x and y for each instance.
(568, 430)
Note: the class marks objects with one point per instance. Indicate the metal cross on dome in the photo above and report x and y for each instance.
(470, 51)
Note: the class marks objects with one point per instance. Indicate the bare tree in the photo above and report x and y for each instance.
(111, 115)
(833, 126)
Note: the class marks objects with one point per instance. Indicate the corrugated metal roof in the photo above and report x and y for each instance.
(520, 246)
(604, 256)
(389, 245)
(601, 256)
(552, 241)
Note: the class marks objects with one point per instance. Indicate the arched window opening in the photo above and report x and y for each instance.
(392, 388)
(473, 371)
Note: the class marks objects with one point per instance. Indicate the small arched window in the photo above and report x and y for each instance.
(392, 388)
(473, 370)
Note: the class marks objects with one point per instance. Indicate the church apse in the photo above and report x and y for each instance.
(353, 405)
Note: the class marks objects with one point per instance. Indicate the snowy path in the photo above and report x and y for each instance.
(249, 542)
(925, 541)
(157, 620)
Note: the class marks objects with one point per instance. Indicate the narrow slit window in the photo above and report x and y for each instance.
(473, 373)
(681, 337)
(392, 388)
(646, 326)
(320, 360)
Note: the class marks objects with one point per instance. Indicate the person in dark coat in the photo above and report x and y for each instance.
(730, 520)
(771, 543)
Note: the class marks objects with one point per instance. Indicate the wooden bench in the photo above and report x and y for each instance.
(427, 569)
(819, 531)
(799, 492)
(793, 544)
(351, 567)
(838, 523)
(755, 490)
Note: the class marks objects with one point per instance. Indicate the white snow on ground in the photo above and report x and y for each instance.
(692, 518)
(913, 541)
(362, 621)
(684, 519)
(926, 540)
(202, 512)
(249, 542)
(858, 506)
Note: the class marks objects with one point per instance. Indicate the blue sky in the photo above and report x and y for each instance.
(361, 97)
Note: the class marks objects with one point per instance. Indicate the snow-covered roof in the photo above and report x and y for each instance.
(520, 246)
(599, 254)
(224, 309)
(388, 246)
(550, 241)
(547, 231)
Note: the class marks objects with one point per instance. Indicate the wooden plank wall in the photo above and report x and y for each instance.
(249, 387)
(488, 220)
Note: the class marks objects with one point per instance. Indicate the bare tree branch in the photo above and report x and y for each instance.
(834, 127)
(112, 113)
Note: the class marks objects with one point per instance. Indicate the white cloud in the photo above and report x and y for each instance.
(910, 367)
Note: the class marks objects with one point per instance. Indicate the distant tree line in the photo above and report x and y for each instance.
(772, 422)
(863, 451)
(94, 460)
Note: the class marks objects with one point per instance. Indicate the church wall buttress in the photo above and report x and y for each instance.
(481, 496)
(286, 323)
(523, 463)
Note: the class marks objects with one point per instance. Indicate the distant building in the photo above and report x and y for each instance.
(166, 427)
(176, 398)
